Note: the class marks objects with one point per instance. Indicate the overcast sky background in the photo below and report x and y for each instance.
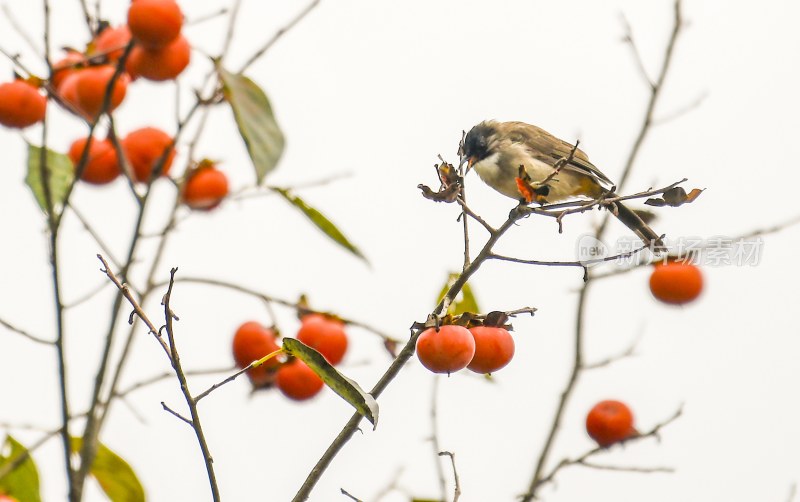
(377, 89)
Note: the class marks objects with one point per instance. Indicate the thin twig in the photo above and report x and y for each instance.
(683, 110)
(163, 376)
(176, 414)
(348, 495)
(457, 489)
(620, 468)
(24, 333)
(234, 14)
(435, 437)
(99, 240)
(260, 52)
(637, 57)
(227, 380)
(280, 301)
(191, 402)
(88, 18)
(16, 26)
(630, 351)
(206, 17)
(86, 296)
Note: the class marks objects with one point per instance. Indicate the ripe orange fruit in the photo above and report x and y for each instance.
(494, 348)
(448, 350)
(155, 23)
(112, 42)
(610, 422)
(144, 149)
(161, 64)
(91, 87)
(68, 91)
(102, 165)
(297, 381)
(21, 104)
(253, 341)
(676, 282)
(65, 67)
(325, 335)
(7, 498)
(205, 188)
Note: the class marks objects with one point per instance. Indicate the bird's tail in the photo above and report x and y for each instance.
(632, 220)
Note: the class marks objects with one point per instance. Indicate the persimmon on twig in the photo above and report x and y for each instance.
(583, 459)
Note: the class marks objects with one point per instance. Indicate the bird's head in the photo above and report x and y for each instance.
(478, 143)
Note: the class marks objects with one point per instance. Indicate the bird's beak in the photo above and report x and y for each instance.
(470, 161)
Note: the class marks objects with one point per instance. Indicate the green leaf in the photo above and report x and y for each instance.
(323, 223)
(22, 482)
(61, 174)
(362, 401)
(257, 124)
(465, 301)
(114, 475)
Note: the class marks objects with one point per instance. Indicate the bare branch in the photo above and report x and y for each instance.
(630, 351)
(176, 414)
(435, 437)
(260, 52)
(15, 24)
(24, 333)
(457, 490)
(137, 309)
(351, 497)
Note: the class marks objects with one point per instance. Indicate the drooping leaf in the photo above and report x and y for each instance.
(323, 223)
(464, 302)
(114, 475)
(61, 175)
(22, 482)
(362, 401)
(260, 131)
(674, 197)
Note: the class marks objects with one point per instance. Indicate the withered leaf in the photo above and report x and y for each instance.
(674, 197)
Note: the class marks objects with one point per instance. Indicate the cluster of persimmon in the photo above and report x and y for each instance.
(482, 348)
(253, 341)
(94, 81)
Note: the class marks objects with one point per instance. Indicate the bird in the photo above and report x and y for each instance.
(528, 164)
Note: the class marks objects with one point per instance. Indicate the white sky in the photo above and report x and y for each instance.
(378, 89)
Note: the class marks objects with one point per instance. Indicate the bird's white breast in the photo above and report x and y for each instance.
(493, 175)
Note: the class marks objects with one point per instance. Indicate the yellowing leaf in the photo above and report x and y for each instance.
(22, 482)
(464, 302)
(323, 223)
(114, 475)
(60, 173)
(253, 114)
(350, 391)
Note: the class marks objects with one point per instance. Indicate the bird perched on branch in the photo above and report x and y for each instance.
(529, 164)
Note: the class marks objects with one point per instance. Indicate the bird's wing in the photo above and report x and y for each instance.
(548, 148)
